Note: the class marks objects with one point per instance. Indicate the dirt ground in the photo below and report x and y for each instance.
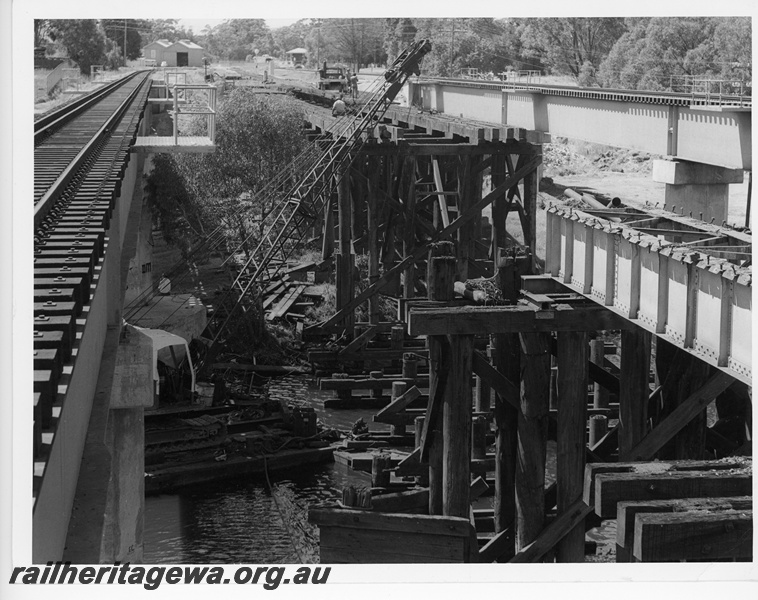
(614, 172)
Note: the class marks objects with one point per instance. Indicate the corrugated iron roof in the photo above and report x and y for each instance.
(188, 44)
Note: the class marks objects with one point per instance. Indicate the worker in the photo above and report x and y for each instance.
(354, 84)
(384, 135)
(338, 108)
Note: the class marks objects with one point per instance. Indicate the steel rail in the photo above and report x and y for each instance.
(45, 204)
(46, 124)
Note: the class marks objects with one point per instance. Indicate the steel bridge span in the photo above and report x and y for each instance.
(683, 127)
(707, 141)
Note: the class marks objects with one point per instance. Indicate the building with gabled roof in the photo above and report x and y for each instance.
(183, 53)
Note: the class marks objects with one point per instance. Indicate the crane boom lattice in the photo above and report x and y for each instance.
(305, 200)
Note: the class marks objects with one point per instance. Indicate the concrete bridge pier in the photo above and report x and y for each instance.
(701, 190)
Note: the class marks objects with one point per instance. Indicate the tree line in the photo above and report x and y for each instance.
(658, 53)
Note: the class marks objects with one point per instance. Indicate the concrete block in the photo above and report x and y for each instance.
(676, 172)
(133, 373)
(704, 202)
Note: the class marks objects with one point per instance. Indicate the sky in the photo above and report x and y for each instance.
(197, 25)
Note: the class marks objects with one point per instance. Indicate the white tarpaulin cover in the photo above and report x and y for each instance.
(170, 349)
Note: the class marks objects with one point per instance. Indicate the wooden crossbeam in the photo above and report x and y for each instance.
(401, 523)
(462, 219)
(440, 190)
(680, 416)
(380, 383)
(405, 418)
(411, 464)
(363, 355)
(596, 373)
(553, 533)
(477, 488)
(449, 148)
(593, 470)
(662, 537)
(360, 342)
(482, 320)
(607, 444)
(627, 511)
(611, 488)
(498, 545)
(398, 404)
(501, 544)
(393, 202)
(495, 379)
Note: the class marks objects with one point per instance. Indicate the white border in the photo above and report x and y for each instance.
(712, 580)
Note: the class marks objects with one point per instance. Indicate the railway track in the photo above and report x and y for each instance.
(80, 155)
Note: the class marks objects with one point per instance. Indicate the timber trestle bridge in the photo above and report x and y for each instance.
(666, 294)
(626, 341)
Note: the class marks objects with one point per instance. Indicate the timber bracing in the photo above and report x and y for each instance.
(407, 195)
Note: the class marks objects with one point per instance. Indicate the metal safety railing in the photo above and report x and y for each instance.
(194, 99)
(719, 92)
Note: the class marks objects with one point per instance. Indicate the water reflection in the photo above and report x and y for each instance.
(241, 521)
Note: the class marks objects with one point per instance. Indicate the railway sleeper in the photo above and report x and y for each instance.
(63, 271)
(80, 292)
(84, 256)
(46, 385)
(54, 237)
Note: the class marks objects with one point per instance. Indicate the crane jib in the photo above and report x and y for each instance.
(304, 196)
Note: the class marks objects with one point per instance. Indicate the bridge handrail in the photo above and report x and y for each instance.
(662, 97)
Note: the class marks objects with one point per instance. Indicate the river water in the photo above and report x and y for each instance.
(250, 521)
(242, 521)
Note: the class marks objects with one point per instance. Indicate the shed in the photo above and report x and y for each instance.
(156, 51)
(183, 53)
(297, 55)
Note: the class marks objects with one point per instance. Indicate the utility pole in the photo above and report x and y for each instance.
(452, 41)
(124, 42)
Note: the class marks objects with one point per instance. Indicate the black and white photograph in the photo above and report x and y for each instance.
(319, 294)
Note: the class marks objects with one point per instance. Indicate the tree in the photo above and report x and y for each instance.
(481, 43)
(258, 138)
(234, 39)
(566, 44)
(400, 34)
(83, 40)
(160, 29)
(672, 53)
(316, 43)
(290, 36)
(355, 41)
(114, 30)
(41, 31)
